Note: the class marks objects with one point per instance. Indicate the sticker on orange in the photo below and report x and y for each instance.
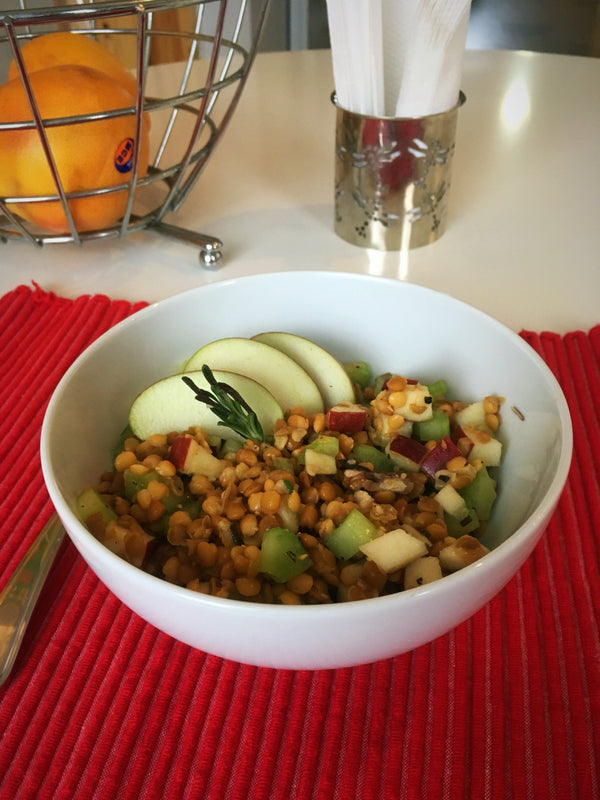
(124, 155)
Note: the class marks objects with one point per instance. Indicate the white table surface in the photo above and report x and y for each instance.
(523, 238)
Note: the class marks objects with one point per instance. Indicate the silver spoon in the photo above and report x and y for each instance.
(19, 596)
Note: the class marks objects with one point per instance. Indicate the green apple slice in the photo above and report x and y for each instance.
(170, 405)
(289, 384)
(326, 371)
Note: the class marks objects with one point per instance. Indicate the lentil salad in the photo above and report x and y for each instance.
(363, 500)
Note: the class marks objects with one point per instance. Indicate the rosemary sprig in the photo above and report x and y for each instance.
(228, 405)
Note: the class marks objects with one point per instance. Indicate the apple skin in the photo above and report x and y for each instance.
(462, 441)
(179, 452)
(346, 418)
(409, 449)
(437, 458)
(283, 377)
(191, 458)
(170, 405)
(484, 446)
(331, 378)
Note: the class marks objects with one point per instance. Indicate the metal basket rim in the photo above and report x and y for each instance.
(149, 103)
(91, 10)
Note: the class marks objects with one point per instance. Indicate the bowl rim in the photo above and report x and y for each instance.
(502, 553)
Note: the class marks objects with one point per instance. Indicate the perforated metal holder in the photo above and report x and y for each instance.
(220, 42)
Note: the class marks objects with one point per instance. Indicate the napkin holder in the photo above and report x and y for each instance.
(392, 177)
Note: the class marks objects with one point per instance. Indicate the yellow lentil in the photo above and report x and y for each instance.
(124, 460)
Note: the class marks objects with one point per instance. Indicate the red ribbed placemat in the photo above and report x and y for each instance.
(102, 705)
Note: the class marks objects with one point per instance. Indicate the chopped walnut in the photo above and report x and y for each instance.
(355, 479)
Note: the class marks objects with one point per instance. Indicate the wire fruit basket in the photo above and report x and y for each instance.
(210, 50)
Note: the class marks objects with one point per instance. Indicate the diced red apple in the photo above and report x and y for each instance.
(346, 418)
(407, 453)
(485, 446)
(188, 456)
(437, 458)
(462, 441)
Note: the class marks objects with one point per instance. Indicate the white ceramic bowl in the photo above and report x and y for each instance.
(393, 325)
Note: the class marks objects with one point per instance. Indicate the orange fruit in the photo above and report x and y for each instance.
(88, 155)
(53, 49)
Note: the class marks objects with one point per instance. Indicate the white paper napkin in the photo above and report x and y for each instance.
(355, 35)
(397, 57)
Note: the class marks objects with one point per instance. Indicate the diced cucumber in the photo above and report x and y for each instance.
(480, 494)
(118, 448)
(359, 372)
(367, 453)
(433, 429)
(354, 531)
(380, 382)
(319, 456)
(282, 555)
(324, 445)
(452, 502)
(438, 390)
(317, 463)
(327, 445)
(458, 527)
(173, 503)
(229, 446)
(135, 481)
(283, 463)
(459, 517)
(90, 502)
